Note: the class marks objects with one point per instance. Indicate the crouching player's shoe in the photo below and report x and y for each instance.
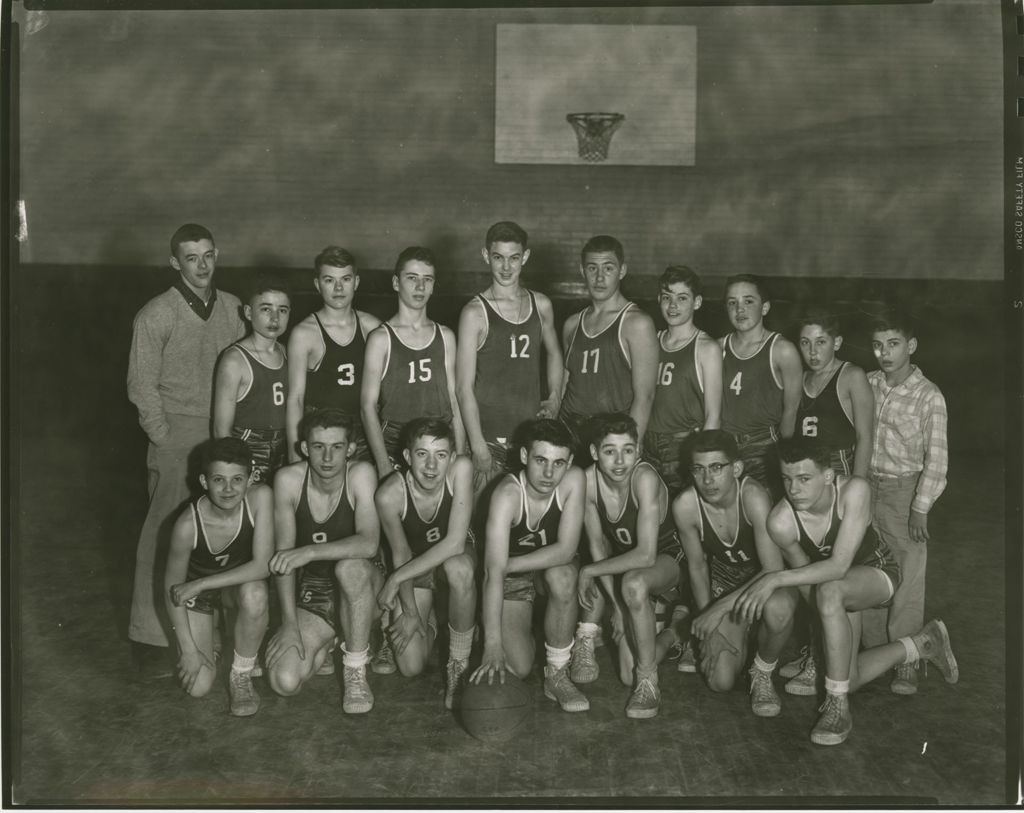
(558, 687)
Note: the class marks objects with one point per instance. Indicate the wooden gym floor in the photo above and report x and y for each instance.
(85, 730)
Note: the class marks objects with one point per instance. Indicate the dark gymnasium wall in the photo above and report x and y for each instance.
(853, 150)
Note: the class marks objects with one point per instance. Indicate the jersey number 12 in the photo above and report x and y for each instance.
(522, 351)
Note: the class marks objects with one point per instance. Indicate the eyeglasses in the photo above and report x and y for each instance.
(714, 469)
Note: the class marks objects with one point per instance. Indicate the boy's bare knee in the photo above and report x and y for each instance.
(204, 682)
(635, 590)
(254, 599)
(354, 575)
(285, 681)
(721, 680)
(460, 574)
(830, 598)
(561, 582)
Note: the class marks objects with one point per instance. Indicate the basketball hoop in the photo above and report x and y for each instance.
(594, 133)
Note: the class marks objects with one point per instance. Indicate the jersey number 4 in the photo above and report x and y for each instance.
(809, 426)
(522, 349)
(736, 385)
(424, 371)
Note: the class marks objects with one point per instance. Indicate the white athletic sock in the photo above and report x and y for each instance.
(557, 658)
(460, 643)
(350, 659)
(241, 664)
(837, 686)
(584, 629)
(913, 653)
(763, 666)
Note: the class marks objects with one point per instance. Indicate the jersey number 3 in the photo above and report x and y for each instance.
(346, 374)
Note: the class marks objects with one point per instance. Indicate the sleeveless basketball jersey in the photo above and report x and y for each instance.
(421, 533)
(336, 380)
(735, 562)
(600, 378)
(751, 395)
(340, 524)
(507, 384)
(415, 383)
(871, 552)
(526, 536)
(621, 532)
(822, 417)
(205, 561)
(262, 405)
(679, 396)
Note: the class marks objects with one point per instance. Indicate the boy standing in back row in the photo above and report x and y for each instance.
(502, 335)
(908, 474)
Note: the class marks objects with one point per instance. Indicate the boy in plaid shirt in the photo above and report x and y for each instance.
(908, 473)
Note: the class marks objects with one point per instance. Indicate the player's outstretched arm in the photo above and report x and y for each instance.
(471, 327)
(687, 520)
(555, 372)
(303, 348)
(450, 352)
(586, 585)
(500, 518)
(709, 357)
(642, 350)
(365, 542)
(572, 492)
(790, 370)
(287, 491)
(568, 329)
(229, 380)
(375, 362)
(854, 388)
(190, 658)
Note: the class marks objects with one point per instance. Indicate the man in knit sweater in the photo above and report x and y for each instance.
(176, 339)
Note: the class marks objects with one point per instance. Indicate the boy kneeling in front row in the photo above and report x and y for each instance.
(220, 546)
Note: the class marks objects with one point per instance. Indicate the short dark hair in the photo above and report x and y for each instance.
(750, 279)
(711, 440)
(544, 430)
(799, 448)
(327, 418)
(428, 427)
(415, 253)
(189, 233)
(335, 256)
(613, 423)
(225, 450)
(823, 318)
(894, 317)
(263, 282)
(506, 231)
(683, 274)
(603, 242)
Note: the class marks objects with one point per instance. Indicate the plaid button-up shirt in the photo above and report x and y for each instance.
(910, 434)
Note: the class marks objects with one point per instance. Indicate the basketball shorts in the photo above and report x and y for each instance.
(316, 595)
(883, 560)
(429, 581)
(526, 586)
(761, 460)
(269, 448)
(206, 602)
(392, 432)
(841, 461)
(662, 450)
